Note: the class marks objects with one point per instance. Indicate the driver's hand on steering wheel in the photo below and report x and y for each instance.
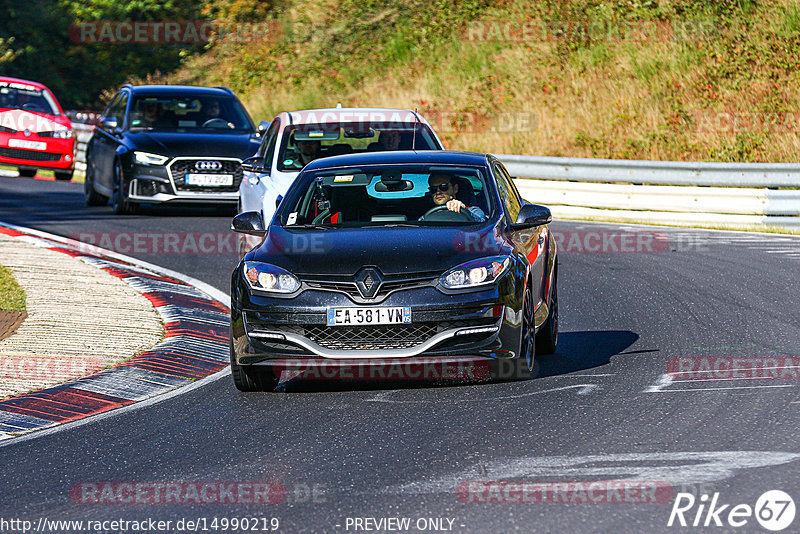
(455, 205)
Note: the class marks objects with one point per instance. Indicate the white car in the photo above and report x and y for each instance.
(294, 139)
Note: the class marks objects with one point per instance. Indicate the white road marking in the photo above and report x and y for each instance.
(583, 389)
(674, 468)
(663, 381)
(718, 389)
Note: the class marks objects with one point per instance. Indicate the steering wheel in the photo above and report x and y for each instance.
(438, 213)
(216, 122)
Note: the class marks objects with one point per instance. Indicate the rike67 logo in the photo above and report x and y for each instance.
(774, 510)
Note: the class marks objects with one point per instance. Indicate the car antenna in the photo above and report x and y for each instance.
(414, 135)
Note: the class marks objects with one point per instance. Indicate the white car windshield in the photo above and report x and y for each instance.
(304, 143)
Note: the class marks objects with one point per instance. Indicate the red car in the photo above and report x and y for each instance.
(34, 131)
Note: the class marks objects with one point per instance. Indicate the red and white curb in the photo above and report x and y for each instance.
(195, 345)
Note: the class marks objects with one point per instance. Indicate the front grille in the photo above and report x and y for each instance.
(180, 167)
(378, 337)
(31, 155)
(381, 337)
(390, 284)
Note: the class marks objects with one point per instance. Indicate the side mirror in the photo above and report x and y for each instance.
(249, 222)
(253, 164)
(278, 201)
(531, 215)
(263, 126)
(109, 123)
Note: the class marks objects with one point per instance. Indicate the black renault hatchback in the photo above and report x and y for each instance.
(169, 143)
(395, 258)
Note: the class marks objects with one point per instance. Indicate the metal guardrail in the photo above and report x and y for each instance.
(662, 192)
(659, 192)
(654, 172)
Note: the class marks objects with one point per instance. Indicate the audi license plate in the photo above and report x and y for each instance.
(213, 180)
(369, 316)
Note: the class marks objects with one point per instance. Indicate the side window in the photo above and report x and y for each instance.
(508, 192)
(268, 141)
(110, 107)
(119, 110)
(271, 144)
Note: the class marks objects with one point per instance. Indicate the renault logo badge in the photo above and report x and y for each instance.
(368, 281)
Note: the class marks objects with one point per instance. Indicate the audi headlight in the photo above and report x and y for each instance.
(475, 273)
(145, 158)
(266, 277)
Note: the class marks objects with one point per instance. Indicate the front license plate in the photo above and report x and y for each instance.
(213, 180)
(21, 143)
(369, 316)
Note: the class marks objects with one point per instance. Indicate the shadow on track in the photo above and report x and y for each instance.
(577, 351)
(30, 201)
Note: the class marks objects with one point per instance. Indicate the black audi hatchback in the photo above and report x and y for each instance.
(169, 144)
(395, 258)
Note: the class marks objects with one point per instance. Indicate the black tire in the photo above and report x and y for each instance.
(119, 200)
(547, 337)
(93, 198)
(64, 176)
(525, 365)
(249, 378)
(27, 173)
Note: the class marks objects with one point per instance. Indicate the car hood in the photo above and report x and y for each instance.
(174, 144)
(20, 120)
(393, 250)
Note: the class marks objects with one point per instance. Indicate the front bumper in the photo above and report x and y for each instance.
(161, 193)
(478, 325)
(58, 154)
(159, 184)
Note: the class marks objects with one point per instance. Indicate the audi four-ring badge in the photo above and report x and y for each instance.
(395, 257)
(169, 144)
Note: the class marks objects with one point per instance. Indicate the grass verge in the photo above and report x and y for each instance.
(12, 296)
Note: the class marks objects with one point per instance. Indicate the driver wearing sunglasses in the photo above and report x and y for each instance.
(443, 193)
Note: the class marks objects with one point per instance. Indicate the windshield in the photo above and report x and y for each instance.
(304, 143)
(188, 113)
(27, 97)
(388, 196)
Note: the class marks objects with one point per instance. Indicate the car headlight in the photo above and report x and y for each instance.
(145, 158)
(58, 134)
(475, 273)
(266, 277)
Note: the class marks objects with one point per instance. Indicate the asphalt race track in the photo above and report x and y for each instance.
(602, 410)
